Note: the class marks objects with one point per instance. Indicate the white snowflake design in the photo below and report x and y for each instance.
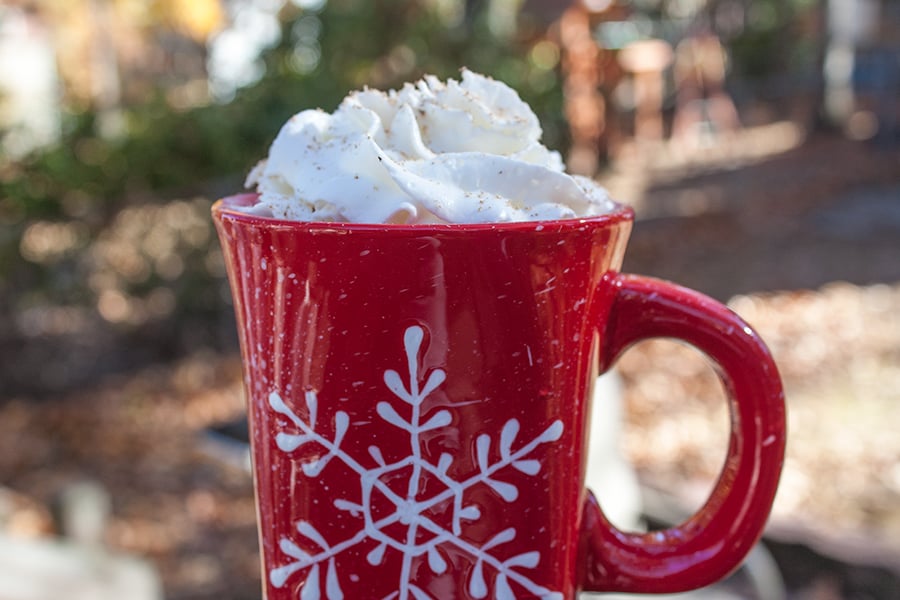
(410, 511)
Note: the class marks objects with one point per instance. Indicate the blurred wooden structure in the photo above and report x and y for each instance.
(647, 61)
(590, 74)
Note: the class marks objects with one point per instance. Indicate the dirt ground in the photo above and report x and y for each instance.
(802, 240)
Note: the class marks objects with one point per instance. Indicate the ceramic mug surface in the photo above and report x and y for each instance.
(418, 403)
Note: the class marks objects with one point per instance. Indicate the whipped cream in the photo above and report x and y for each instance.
(464, 151)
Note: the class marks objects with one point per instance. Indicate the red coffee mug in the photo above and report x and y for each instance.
(418, 404)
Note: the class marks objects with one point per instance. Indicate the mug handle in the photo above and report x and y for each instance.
(714, 541)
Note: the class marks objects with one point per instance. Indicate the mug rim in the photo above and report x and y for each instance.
(226, 207)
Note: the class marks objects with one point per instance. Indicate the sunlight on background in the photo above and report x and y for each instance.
(235, 53)
(29, 86)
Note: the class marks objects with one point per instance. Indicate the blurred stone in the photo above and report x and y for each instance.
(83, 510)
(609, 475)
(49, 570)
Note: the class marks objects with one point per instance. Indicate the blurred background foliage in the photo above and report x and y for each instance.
(107, 255)
(92, 249)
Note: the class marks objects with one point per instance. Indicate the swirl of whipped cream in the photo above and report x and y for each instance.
(457, 152)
